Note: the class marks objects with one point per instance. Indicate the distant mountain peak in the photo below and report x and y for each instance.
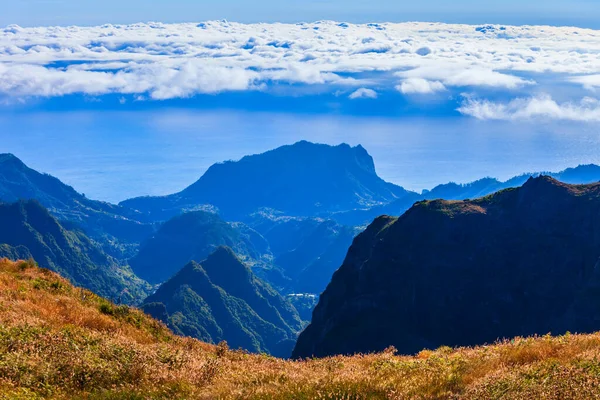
(9, 158)
(192, 272)
(300, 179)
(223, 264)
(543, 179)
(544, 185)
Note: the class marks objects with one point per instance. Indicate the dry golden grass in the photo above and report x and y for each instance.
(60, 342)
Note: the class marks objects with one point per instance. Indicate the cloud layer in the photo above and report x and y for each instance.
(165, 61)
(544, 107)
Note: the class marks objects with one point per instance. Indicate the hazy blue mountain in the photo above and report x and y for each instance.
(193, 236)
(303, 179)
(293, 254)
(307, 250)
(103, 221)
(28, 230)
(364, 217)
(520, 262)
(589, 173)
(221, 299)
(304, 303)
(454, 191)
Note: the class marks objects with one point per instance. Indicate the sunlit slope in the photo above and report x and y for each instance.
(57, 341)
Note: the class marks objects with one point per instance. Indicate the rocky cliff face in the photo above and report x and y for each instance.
(519, 262)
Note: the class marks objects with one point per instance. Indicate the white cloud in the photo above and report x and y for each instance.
(160, 82)
(543, 106)
(420, 86)
(485, 77)
(465, 75)
(160, 61)
(363, 93)
(590, 82)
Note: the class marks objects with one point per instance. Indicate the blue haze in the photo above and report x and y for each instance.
(113, 155)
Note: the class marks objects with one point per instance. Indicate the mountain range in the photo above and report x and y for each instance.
(519, 262)
(289, 216)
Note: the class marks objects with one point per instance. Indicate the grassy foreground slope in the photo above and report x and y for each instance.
(57, 341)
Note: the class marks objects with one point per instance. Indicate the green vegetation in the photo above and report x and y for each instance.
(221, 299)
(303, 302)
(28, 230)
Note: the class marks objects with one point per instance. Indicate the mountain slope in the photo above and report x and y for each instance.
(58, 342)
(99, 219)
(308, 250)
(193, 236)
(28, 230)
(303, 179)
(221, 299)
(520, 262)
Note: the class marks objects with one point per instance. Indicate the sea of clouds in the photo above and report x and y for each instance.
(491, 72)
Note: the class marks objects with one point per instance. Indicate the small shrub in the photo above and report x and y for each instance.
(121, 311)
(106, 308)
(23, 265)
(222, 348)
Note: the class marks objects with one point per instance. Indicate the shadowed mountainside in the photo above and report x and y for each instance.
(307, 250)
(519, 262)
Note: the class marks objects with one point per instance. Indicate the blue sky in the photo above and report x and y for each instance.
(582, 13)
